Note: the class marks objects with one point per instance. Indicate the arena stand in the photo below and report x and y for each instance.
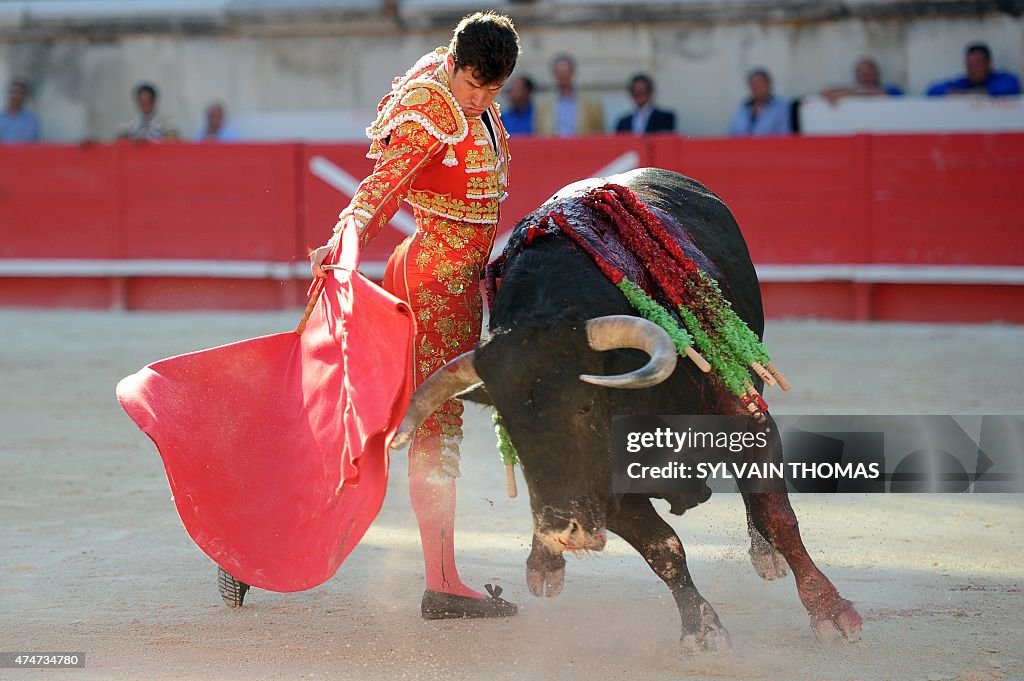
(863, 227)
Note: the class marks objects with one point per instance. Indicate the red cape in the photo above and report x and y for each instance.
(276, 447)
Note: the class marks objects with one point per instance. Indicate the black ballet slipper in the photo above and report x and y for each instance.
(231, 590)
(437, 605)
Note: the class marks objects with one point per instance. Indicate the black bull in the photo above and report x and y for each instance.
(542, 339)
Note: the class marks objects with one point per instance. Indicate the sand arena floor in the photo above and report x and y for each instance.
(94, 558)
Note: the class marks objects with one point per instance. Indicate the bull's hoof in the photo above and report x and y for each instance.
(846, 625)
(710, 636)
(231, 590)
(713, 639)
(545, 582)
(545, 572)
(770, 565)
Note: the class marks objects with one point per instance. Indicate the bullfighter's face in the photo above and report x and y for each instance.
(472, 94)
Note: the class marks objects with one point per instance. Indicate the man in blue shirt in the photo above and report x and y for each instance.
(215, 129)
(980, 78)
(763, 114)
(18, 126)
(517, 117)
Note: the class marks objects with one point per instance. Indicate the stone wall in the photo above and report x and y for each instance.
(305, 58)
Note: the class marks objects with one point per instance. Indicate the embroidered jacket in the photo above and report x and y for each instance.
(430, 155)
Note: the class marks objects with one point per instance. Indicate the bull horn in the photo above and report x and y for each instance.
(624, 331)
(445, 383)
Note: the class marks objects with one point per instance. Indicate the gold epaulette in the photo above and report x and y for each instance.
(426, 102)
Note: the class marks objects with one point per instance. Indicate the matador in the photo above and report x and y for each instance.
(440, 147)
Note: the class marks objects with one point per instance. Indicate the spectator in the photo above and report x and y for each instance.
(867, 83)
(646, 118)
(517, 117)
(17, 125)
(763, 114)
(567, 112)
(980, 78)
(214, 128)
(149, 125)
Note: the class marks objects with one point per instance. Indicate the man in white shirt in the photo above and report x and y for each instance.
(646, 118)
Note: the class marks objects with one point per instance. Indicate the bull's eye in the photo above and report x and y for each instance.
(585, 409)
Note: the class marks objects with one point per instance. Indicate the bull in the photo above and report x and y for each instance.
(561, 359)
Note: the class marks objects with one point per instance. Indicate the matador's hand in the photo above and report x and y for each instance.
(317, 257)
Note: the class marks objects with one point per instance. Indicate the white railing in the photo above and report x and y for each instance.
(911, 115)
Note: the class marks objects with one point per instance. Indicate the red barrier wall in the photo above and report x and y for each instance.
(539, 168)
(130, 201)
(952, 199)
(322, 200)
(798, 200)
(910, 200)
(940, 200)
(59, 202)
(207, 202)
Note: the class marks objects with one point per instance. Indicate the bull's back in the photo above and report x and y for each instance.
(713, 229)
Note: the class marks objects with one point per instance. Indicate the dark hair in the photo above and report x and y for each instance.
(566, 57)
(486, 43)
(145, 87)
(980, 48)
(528, 83)
(759, 71)
(642, 78)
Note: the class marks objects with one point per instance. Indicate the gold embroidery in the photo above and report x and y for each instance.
(450, 253)
(482, 185)
(393, 151)
(378, 196)
(481, 159)
(416, 97)
(423, 259)
(453, 252)
(414, 133)
(479, 132)
(446, 272)
(445, 326)
(374, 151)
(427, 102)
(449, 157)
(485, 210)
(437, 304)
(426, 347)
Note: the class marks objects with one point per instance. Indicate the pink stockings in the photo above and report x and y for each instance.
(443, 289)
(433, 500)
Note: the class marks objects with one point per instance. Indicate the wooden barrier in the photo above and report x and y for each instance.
(909, 227)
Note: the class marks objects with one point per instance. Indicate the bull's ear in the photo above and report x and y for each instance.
(477, 394)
